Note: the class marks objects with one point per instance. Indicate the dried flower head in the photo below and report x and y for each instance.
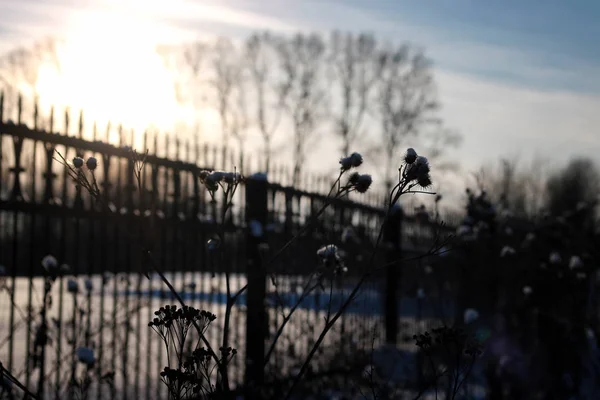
(91, 163)
(424, 181)
(213, 244)
(470, 315)
(78, 162)
(85, 355)
(363, 182)
(328, 251)
(353, 178)
(256, 228)
(72, 286)
(231, 177)
(507, 251)
(352, 161)
(331, 257)
(203, 175)
(575, 262)
(555, 258)
(419, 170)
(49, 263)
(410, 156)
(463, 230)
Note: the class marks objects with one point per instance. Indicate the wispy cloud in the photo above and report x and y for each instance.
(506, 97)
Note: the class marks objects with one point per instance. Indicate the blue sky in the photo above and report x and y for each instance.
(516, 78)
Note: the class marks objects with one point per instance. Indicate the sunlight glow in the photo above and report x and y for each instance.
(110, 69)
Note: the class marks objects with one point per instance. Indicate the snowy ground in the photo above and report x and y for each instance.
(133, 350)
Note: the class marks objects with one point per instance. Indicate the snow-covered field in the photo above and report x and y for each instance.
(112, 318)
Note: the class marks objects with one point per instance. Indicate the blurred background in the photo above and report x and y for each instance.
(491, 82)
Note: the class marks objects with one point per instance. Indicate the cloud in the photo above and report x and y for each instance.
(500, 119)
(504, 100)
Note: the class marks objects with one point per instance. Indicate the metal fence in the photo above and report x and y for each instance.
(43, 212)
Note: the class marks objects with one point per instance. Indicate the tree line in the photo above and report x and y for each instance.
(293, 92)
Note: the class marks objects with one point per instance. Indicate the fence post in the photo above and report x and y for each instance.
(256, 314)
(393, 251)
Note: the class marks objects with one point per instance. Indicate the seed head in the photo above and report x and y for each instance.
(353, 179)
(356, 159)
(507, 251)
(575, 262)
(352, 161)
(203, 175)
(231, 177)
(424, 181)
(363, 183)
(91, 163)
(470, 315)
(72, 286)
(49, 263)
(85, 355)
(328, 251)
(410, 156)
(555, 258)
(78, 162)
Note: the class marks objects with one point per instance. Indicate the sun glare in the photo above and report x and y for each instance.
(109, 68)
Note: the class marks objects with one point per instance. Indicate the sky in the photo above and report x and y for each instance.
(516, 78)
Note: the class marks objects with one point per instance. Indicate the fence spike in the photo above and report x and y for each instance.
(94, 131)
(187, 150)
(107, 134)
(205, 156)
(144, 142)
(155, 142)
(121, 135)
(19, 108)
(67, 121)
(1, 106)
(80, 125)
(167, 142)
(51, 122)
(35, 114)
(132, 138)
(214, 162)
(196, 150)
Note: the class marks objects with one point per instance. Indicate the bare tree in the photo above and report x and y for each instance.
(436, 141)
(517, 187)
(353, 65)
(576, 185)
(302, 60)
(239, 118)
(188, 64)
(269, 96)
(227, 74)
(20, 67)
(406, 100)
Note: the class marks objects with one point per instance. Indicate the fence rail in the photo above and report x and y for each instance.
(43, 212)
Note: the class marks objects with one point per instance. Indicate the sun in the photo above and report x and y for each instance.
(109, 68)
